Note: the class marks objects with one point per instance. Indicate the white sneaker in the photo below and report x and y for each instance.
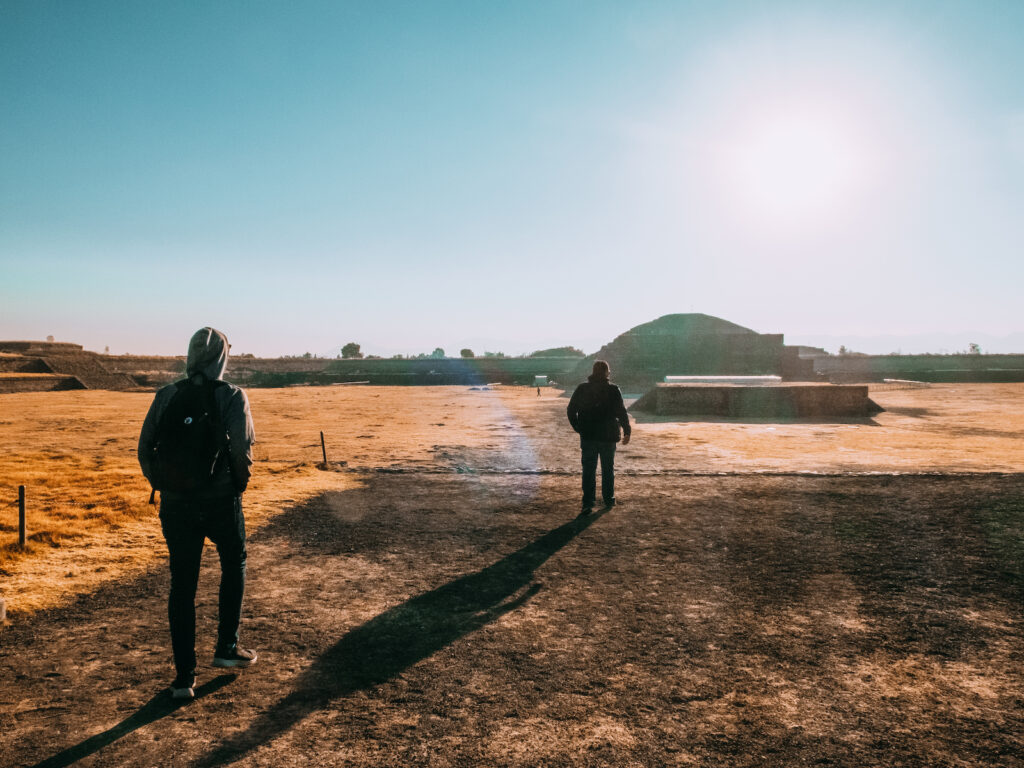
(183, 688)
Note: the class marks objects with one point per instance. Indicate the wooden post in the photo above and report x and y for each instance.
(323, 446)
(22, 533)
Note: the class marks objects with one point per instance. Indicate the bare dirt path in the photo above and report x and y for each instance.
(469, 620)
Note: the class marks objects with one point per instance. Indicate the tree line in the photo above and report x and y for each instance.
(353, 351)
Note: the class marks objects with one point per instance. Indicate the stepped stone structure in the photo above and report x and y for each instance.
(41, 366)
(696, 345)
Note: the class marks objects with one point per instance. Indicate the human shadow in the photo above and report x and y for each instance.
(156, 708)
(393, 641)
(912, 412)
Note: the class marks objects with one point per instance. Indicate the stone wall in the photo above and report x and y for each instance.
(931, 368)
(21, 364)
(283, 372)
(806, 400)
(39, 347)
(40, 382)
(89, 370)
(69, 362)
(475, 370)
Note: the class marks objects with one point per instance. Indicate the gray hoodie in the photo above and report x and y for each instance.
(208, 356)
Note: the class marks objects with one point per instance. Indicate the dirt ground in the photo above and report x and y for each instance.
(435, 601)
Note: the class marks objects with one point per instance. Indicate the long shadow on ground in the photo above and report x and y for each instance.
(157, 707)
(390, 643)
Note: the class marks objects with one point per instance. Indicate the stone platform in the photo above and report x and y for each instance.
(790, 401)
(37, 382)
(44, 366)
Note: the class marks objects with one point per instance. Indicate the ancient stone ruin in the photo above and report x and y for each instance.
(696, 344)
(41, 366)
(733, 372)
(642, 357)
(760, 401)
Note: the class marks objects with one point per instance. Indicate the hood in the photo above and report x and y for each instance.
(594, 379)
(207, 354)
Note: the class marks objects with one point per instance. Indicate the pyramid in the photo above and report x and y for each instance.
(692, 344)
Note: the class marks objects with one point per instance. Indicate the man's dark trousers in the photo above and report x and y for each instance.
(592, 450)
(186, 525)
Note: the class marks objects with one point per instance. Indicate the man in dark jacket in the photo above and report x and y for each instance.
(212, 509)
(596, 412)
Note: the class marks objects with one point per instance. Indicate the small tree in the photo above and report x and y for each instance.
(466, 353)
(973, 349)
(351, 350)
(438, 352)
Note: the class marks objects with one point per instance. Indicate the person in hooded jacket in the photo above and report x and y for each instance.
(213, 511)
(596, 411)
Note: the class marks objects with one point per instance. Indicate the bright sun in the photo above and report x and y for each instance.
(795, 169)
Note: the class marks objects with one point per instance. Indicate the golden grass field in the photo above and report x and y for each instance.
(808, 593)
(89, 520)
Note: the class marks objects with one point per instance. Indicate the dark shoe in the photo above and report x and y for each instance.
(609, 503)
(235, 657)
(585, 510)
(183, 688)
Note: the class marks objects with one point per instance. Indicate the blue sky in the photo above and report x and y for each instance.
(509, 175)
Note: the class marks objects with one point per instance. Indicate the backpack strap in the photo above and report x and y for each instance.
(209, 389)
(178, 386)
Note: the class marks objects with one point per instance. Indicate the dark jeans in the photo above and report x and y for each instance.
(592, 450)
(186, 525)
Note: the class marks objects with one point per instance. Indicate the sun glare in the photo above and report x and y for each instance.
(795, 170)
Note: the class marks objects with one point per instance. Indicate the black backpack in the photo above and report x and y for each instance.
(190, 440)
(595, 405)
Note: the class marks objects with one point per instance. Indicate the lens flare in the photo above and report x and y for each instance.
(795, 169)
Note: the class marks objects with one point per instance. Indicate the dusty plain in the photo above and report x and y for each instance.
(812, 593)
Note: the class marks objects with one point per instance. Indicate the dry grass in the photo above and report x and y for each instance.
(89, 521)
(73, 496)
